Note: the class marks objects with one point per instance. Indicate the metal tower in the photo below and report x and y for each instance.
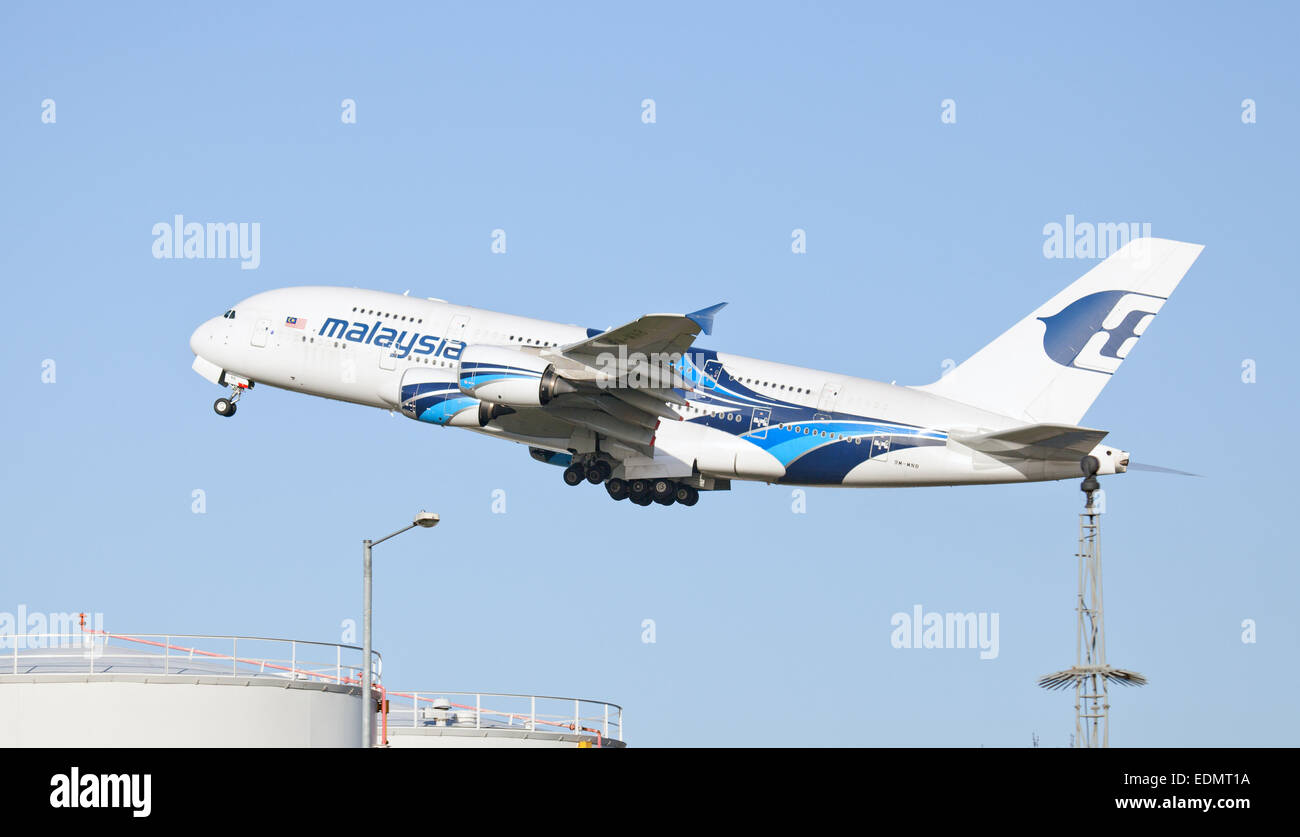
(1091, 675)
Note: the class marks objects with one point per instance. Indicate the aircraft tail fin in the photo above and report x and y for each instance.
(1052, 365)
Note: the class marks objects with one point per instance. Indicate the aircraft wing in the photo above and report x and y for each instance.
(1061, 442)
(625, 402)
(670, 333)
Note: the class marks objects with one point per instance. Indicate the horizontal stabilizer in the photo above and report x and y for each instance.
(1059, 442)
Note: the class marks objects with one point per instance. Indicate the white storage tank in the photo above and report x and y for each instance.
(481, 719)
(97, 689)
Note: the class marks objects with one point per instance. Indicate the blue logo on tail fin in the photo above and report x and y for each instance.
(1069, 331)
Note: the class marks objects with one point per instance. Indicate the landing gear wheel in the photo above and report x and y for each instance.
(606, 470)
(662, 490)
(639, 491)
(593, 474)
(687, 495)
(617, 489)
(641, 499)
(664, 501)
(573, 475)
(225, 407)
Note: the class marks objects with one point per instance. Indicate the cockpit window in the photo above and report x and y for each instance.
(229, 315)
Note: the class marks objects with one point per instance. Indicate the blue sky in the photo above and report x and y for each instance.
(924, 243)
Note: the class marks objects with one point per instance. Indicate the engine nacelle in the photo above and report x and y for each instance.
(497, 375)
(430, 394)
(551, 457)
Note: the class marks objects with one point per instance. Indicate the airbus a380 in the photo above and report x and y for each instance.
(656, 419)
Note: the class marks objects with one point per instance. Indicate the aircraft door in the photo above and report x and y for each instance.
(758, 424)
(826, 402)
(458, 328)
(260, 333)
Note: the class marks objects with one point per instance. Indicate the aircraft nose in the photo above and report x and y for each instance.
(201, 337)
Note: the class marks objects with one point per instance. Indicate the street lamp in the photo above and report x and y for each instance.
(425, 520)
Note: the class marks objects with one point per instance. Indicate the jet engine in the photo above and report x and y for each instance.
(507, 377)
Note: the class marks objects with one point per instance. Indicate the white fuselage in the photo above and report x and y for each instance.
(754, 419)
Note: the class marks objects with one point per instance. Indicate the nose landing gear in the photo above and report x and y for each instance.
(225, 407)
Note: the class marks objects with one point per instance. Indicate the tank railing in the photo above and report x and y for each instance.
(559, 712)
(91, 640)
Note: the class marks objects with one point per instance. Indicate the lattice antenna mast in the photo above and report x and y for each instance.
(1091, 675)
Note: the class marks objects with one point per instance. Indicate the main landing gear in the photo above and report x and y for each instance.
(642, 492)
(225, 407)
(593, 472)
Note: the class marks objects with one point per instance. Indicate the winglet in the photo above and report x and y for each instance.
(704, 317)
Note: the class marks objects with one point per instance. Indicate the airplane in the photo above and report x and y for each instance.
(642, 410)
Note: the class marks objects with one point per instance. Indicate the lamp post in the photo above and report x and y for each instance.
(426, 520)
